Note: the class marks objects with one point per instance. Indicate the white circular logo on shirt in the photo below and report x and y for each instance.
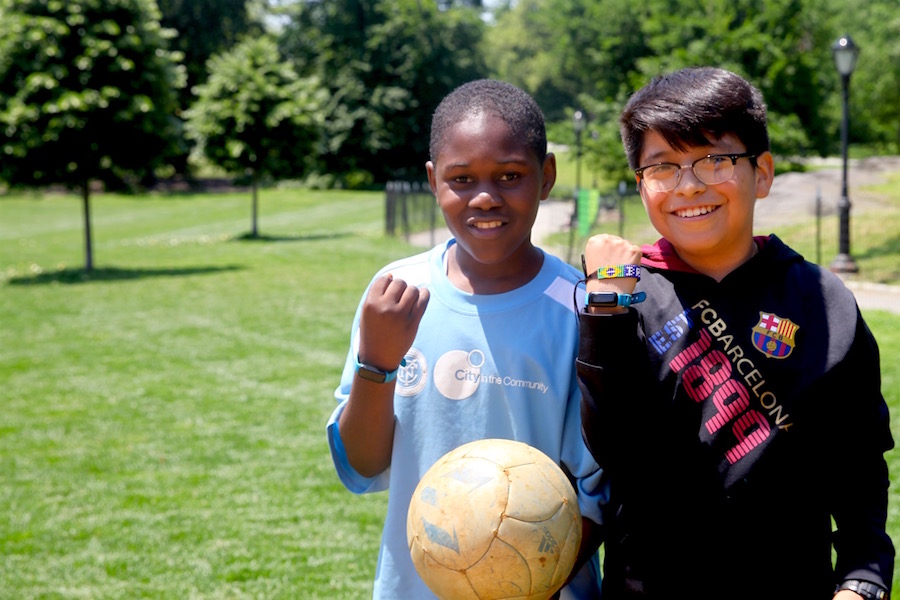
(458, 373)
(411, 378)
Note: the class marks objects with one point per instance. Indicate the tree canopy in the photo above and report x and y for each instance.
(87, 93)
(256, 116)
(386, 64)
(383, 65)
(205, 28)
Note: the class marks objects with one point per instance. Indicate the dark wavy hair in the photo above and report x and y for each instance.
(695, 107)
(503, 100)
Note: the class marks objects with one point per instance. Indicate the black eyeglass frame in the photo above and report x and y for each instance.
(734, 158)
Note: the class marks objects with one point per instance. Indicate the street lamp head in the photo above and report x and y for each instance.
(845, 53)
(578, 121)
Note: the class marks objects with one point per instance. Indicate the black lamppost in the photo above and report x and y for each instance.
(578, 123)
(845, 53)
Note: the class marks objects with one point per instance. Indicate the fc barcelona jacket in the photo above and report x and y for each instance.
(742, 427)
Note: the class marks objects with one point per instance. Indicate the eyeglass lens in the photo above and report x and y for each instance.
(710, 170)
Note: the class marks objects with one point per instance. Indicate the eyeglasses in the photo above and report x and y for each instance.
(710, 170)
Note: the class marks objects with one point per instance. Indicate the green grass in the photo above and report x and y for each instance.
(874, 235)
(163, 416)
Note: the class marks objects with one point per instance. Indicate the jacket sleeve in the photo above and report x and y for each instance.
(612, 367)
(860, 435)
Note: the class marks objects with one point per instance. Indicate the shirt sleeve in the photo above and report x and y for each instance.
(351, 479)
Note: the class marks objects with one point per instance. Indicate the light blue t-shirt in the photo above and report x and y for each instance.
(481, 366)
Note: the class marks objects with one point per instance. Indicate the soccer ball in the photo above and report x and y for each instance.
(494, 519)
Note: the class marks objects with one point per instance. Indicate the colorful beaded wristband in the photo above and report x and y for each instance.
(617, 271)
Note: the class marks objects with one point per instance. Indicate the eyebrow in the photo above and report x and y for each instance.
(655, 158)
(504, 162)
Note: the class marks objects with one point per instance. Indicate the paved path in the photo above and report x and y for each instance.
(876, 296)
(793, 196)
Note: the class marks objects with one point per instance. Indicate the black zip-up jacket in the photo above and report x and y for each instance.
(735, 420)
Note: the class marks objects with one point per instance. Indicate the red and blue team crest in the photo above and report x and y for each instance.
(774, 335)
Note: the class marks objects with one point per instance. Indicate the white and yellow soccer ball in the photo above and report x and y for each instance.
(494, 519)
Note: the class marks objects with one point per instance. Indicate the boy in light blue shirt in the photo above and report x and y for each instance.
(474, 339)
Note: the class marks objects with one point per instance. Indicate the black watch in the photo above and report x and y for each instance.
(612, 299)
(375, 374)
(866, 589)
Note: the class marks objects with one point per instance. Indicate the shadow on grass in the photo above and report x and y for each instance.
(889, 247)
(79, 276)
(310, 237)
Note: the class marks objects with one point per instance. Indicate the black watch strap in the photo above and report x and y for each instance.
(866, 589)
(612, 299)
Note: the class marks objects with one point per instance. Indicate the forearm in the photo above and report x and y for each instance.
(367, 426)
(389, 320)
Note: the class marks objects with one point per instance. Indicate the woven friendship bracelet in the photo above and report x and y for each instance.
(618, 271)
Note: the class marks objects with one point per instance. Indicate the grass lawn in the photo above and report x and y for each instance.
(163, 416)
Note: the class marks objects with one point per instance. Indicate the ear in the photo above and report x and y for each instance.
(765, 174)
(549, 172)
(432, 183)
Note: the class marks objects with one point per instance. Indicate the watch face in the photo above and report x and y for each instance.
(602, 299)
(367, 372)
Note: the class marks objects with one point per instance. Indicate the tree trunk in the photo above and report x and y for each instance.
(254, 231)
(86, 202)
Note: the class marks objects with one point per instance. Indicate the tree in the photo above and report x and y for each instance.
(592, 54)
(875, 84)
(523, 50)
(87, 93)
(561, 50)
(256, 116)
(387, 64)
(777, 45)
(205, 28)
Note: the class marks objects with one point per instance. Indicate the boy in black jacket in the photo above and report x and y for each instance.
(731, 389)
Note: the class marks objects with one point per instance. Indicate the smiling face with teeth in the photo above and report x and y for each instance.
(489, 183)
(710, 226)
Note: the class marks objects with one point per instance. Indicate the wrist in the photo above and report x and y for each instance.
(615, 272)
(376, 374)
(864, 589)
(608, 299)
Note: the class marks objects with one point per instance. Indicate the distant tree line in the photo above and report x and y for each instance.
(591, 54)
(378, 68)
(340, 92)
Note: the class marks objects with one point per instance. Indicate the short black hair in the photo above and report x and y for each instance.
(694, 107)
(514, 106)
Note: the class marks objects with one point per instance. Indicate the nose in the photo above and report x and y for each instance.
(485, 198)
(688, 182)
